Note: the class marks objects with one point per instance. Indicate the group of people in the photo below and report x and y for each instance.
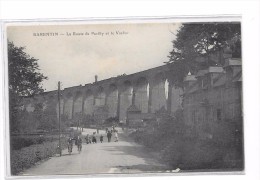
(110, 133)
(78, 143)
(92, 139)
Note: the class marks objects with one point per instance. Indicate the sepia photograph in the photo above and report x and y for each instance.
(115, 97)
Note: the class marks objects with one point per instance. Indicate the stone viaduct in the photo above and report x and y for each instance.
(148, 90)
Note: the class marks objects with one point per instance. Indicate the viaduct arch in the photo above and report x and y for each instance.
(148, 90)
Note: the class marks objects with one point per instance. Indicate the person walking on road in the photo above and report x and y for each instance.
(79, 143)
(94, 139)
(87, 139)
(116, 136)
(109, 134)
(101, 138)
(113, 128)
(70, 145)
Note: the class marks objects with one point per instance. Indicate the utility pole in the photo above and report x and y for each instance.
(82, 115)
(59, 116)
(78, 123)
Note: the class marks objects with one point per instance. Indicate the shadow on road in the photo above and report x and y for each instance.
(69, 154)
(142, 168)
(151, 162)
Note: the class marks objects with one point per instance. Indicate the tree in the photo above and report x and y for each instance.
(87, 120)
(45, 117)
(111, 120)
(24, 79)
(200, 45)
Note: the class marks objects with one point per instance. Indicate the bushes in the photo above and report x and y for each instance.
(111, 121)
(160, 136)
(191, 154)
(198, 155)
(18, 142)
(28, 156)
(189, 148)
(146, 138)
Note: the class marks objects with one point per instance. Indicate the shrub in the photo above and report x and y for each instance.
(214, 146)
(28, 156)
(18, 142)
(111, 121)
(191, 154)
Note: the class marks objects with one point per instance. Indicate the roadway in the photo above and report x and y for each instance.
(124, 156)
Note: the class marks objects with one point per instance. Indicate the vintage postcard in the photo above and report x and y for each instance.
(120, 97)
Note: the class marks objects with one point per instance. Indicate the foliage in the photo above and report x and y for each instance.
(158, 136)
(111, 121)
(24, 122)
(87, 120)
(200, 45)
(77, 119)
(182, 147)
(65, 122)
(189, 154)
(19, 142)
(192, 153)
(49, 118)
(39, 119)
(24, 80)
(28, 156)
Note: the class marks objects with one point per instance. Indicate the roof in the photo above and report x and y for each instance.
(215, 69)
(211, 69)
(220, 79)
(233, 62)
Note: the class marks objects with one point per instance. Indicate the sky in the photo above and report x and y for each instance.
(74, 54)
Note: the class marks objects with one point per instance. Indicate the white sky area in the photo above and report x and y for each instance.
(75, 60)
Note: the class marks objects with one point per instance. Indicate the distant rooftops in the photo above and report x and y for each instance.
(218, 80)
(211, 69)
(233, 62)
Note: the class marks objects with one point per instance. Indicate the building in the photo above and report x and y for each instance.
(213, 96)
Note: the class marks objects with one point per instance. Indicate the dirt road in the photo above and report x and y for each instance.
(124, 156)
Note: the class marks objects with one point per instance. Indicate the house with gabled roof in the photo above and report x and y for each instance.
(213, 95)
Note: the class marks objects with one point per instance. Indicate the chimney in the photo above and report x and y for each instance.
(96, 78)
